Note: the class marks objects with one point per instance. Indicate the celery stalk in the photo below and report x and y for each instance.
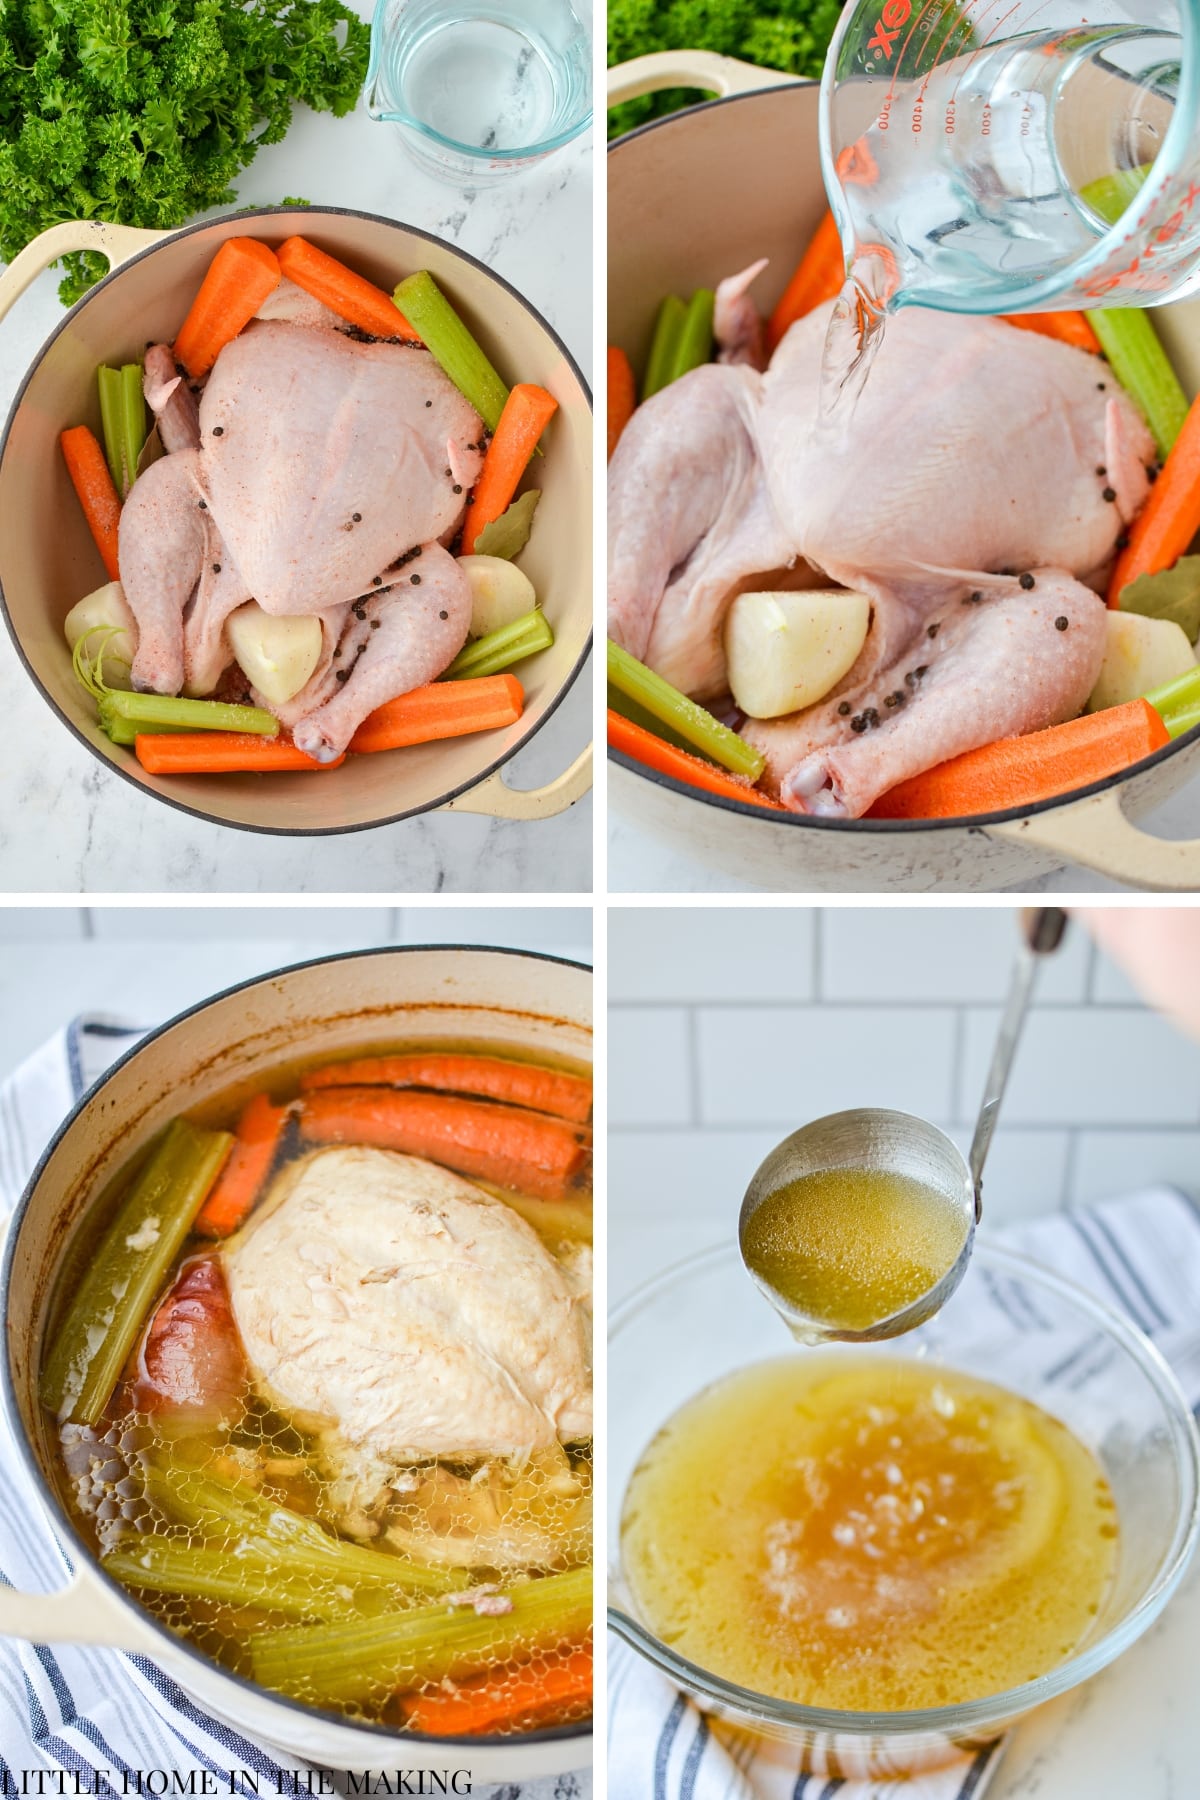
(255, 1524)
(1140, 364)
(667, 704)
(184, 715)
(449, 342)
(1112, 194)
(694, 346)
(1175, 699)
(127, 1269)
(109, 383)
(123, 417)
(349, 1661)
(1180, 723)
(246, 1579)
(497, 650)
(133, 422)
(126, 731)
(664, 345)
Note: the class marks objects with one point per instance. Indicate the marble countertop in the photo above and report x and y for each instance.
(639, 864)
(68, 826)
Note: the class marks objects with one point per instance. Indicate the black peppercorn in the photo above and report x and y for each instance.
(203, 505)
(218, 431)
(375, 624)
(972, 599)
(858, 723)
(357, 517)
(429, 403)
(1109, 494)
(896, 699)
(443, 615)
(921, 670)
(1101, 469)
(216, 568)
(416, 580)
(378, 580)
(1099, 387)
(1122, 540)
(1061, 623)
(343, 674)
(844, 708)
(932, 632)
(1027, 581)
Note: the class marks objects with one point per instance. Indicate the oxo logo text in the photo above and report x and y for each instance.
(892, 20)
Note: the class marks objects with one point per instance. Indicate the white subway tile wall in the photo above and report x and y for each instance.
(729, 1027)
(144, 964)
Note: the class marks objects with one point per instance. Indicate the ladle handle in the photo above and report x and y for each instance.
(1042, 929)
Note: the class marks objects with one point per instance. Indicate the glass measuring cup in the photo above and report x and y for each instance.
(480, 87)
(1010, 155)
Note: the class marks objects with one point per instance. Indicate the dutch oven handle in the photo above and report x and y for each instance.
(83, 1612)
(1097, 834)
(499, 801)
(712, 74)
(117, 243)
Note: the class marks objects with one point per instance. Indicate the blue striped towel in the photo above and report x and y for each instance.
(1140, 1254)
(100, 1714)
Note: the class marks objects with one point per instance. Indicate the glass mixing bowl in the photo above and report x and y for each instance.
(1011, 1322)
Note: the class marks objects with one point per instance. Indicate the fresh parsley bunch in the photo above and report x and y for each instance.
(779, 34)
(145, 111)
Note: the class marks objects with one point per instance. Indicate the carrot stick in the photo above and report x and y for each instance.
(820, 275)
(443, 709)
(1018, 771)
(220, 753)
(527, 412)
(622, 395)
(1170, 518)
(352, 297)
(1067, 327)
(515, 1149)
(240, 276)
(494, 1077)
(656, 753)
(241, 1180)
(92, 481)
(492, 1702)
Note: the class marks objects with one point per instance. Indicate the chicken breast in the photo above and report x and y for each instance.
(407, 1314)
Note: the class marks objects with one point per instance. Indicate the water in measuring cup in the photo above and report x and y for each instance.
(489, 80)
(968, 179)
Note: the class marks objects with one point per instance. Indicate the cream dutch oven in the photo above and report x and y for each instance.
(48, 560)
(505, 997)
(697, 196)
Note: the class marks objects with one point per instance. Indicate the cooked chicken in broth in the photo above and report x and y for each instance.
(323, 1389)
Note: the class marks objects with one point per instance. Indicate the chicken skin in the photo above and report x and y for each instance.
(406, 1314)
(975, 494)
(311, 465)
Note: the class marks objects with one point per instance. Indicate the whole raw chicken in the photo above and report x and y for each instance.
(975, 493)
(316, 475)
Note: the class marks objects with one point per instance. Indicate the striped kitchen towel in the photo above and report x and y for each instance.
(100, 1718)
(1140, 1254)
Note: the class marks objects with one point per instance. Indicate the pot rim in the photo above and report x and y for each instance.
(994, 1713)
(884, 827)
(70, 1541)
(119, 768)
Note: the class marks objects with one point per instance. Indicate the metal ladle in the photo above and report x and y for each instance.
(874, 1138)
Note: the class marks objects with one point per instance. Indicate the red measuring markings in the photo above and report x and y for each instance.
(892, 20)
(1150, 278)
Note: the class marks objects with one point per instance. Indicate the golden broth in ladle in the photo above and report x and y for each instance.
(849, 1248)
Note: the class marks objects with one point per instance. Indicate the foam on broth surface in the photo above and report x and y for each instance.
(868, 1534)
